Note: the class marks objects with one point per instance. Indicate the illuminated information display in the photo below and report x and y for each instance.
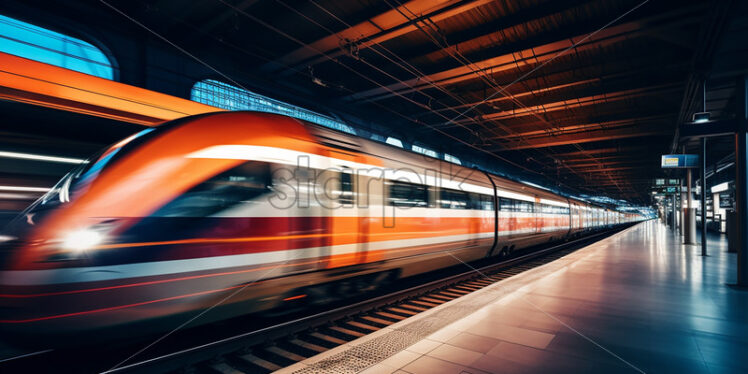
(680, 161)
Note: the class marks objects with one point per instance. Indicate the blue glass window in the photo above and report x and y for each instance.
(377, 137)
(35, 43)
(425, 151)
(226, 96)
(452, 159)
(394, 141)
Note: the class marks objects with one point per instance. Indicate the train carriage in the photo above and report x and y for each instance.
(264, 208)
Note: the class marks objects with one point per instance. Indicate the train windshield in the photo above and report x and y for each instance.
(75, 182)
(235, 188)
(80, 178)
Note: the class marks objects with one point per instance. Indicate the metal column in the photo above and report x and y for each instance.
(689, 192)
(703, 196)
(674, 210)
(688, 223)
(741, 183)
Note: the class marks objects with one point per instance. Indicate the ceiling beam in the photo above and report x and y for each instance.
(617, 158)
(606, 150)
(605, 181)
(594, 163)
(620, 114)
(573, 161)
(508, 27)
(530, 56)
(591, 136)
(378, 29)
(579, 102)
(37, 83)
(581, 128)
(607, 170)
(560, 81)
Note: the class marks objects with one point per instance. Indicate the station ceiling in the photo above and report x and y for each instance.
(586, 94)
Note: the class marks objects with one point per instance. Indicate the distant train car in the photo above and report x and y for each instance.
(251, 211)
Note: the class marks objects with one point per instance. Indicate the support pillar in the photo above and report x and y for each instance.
(674, 213)
(703, 196)
(689, 217)
(678, 209)
(741, 183)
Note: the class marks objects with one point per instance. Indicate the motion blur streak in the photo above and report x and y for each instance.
(30, 156)
(159, 225)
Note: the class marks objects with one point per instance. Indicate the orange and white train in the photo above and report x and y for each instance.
(265, 208)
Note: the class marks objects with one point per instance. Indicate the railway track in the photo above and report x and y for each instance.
(278, 346)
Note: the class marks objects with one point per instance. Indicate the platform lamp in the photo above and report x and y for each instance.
(703, 116)
(699, 118)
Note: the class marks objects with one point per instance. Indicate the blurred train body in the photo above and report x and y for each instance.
(261, 207)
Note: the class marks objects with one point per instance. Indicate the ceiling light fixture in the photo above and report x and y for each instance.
(24, 188)
(31, 156)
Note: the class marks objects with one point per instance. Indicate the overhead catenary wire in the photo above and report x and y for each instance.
(413, 70)
(457, 55)
(273, 28)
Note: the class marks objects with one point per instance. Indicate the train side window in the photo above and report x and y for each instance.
(444, 201)
(474, 201)
(525, 206)
(406, 194)
(506, 205)
(481, 202)
(512, 205)
(239, 185)
(346, 186)
(487, 201)
(553, 209)
(453, 199)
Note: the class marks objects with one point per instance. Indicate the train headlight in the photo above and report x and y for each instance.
(82, 240)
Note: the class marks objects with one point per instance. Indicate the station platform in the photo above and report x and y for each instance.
(637, 301)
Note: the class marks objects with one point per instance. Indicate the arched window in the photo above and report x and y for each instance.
(423, 150)
(394, 141)
(452, 159)
(226, 96)
(35, 43)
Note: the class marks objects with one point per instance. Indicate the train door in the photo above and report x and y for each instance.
(474, 217)
(571, 217)
(504, 224)
(583, 217)
(493, 202)
(306, 231)
(595, 218)
(348, 230)
(538, 215)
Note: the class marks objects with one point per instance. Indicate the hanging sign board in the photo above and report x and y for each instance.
(660, 182)
(666, 190)
(726, 200)
(680, 161)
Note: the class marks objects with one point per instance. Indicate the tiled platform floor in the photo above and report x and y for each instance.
(638, 301)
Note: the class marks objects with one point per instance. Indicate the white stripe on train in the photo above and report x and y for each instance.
(146, 269)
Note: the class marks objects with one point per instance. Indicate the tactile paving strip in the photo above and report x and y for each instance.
(368, 353)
